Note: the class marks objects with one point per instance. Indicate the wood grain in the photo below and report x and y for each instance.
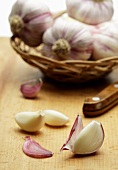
(106, 99)
(67, 99)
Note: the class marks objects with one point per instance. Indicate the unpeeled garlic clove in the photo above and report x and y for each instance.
(31, 88)
(33, 149)
(85, 140)
(30, 121)
(55, 118)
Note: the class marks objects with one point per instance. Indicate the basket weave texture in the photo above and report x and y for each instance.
(67, 70)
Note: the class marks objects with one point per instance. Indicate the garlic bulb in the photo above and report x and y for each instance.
(34, 150)
(90, 12)
(29, 19)
(85, 140)
(90, 28)
(30, 89)
(105, 42)
(30, 121)
(67, 40)
(55, 118)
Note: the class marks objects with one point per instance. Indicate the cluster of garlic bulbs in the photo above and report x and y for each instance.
(88, 32)
(96, 15)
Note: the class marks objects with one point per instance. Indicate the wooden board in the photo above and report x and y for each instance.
(66, 99)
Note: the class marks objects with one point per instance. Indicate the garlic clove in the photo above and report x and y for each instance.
(30, 121)
(33, 149)
(84, 140)
(90, 139)
(55, 118)
(76, 128)
(31, 88)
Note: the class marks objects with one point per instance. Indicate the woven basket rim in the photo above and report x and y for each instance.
(65, 61)
(65, 70)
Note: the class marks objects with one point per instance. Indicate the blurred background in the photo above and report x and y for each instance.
(55, 5)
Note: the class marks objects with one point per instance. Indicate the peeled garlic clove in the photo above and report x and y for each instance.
(31, 88)
(33, 149)
(90, 139)
(55, 118)
(84, 140)
(90, 12)
(30, 121)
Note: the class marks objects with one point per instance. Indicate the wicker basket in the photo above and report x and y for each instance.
(64, 71)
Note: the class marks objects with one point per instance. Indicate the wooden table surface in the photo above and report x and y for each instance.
(66, 99)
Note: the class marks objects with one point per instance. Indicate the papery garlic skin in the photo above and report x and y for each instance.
(30, 121)
(31, 88)
(29, 19)
(84, 140)
(67, 40)
(55, 118)
(34, 150)
(90, 11)
(105, 42)
(89, 27)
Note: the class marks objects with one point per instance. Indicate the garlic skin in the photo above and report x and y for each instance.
(85, 140)
(55, 118)
(30, 121)
(67, 40)
(31, 88)
(90, 12)
(29, 19)
(34, 150)
(90, 28)
(105, 42)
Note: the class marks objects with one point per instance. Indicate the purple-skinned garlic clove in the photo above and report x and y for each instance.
(85, 140)
(31, 88)
(34, 150)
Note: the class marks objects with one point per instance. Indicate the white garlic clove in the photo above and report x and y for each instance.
(34, 150)
(90, 139)
(84, 140)
(30, 121)
(55, 118)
